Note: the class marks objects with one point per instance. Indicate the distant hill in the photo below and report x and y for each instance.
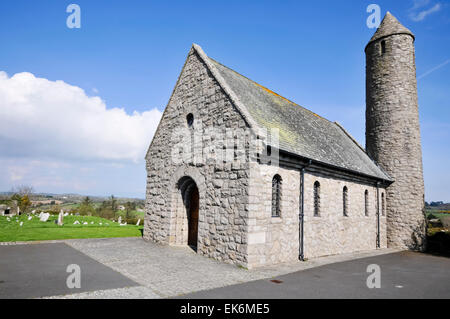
(73, 197)
(437, 206)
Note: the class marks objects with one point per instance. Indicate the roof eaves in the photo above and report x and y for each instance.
(364, 150)
(337, 168)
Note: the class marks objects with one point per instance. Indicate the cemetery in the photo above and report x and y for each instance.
(50, 226)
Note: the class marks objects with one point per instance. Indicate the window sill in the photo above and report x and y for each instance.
(276, 220)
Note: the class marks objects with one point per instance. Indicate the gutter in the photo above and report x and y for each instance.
(386, 182)
(301, 255)
(378, 216)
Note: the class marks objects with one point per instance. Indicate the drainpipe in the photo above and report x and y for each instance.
(378, 216)
(301, 214)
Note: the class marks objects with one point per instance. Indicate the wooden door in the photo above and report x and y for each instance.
(193, 218)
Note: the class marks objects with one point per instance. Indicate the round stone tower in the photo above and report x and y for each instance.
(393, 132)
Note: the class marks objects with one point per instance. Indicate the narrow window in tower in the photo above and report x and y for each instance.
(383, 208)
(316, 198)
(383, 47)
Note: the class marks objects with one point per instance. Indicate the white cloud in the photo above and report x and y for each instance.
(421, 15)
(419, 4)
(52, 119)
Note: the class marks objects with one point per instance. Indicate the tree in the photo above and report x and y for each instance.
(86, 207)
(87, 201)
(129, 206)
(25, 203)
(22, 194)
(113, 202)
(23, 190)
(17, 198)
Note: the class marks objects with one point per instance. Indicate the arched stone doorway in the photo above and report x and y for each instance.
(188, 213)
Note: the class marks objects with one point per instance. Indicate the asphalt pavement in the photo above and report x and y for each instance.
(39, 270)
(402, 275)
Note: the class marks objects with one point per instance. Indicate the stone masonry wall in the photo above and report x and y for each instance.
(333, 233)
(393, 135)
(273, 240)
(223, 187)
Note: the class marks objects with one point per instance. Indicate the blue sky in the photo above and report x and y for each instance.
(127, 55)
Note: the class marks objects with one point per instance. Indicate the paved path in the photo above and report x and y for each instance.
(167, 271)
(403, 275)
(28, 271)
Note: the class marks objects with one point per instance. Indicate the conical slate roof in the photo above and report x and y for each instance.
(389, 26)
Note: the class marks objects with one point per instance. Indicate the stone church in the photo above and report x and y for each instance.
(246, 176)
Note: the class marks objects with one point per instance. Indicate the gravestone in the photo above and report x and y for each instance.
(44, 217)
(61, 218)
(138, 222)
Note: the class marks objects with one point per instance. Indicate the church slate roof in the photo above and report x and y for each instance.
(301, 132)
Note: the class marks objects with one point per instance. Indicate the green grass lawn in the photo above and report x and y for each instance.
(133, 213)
(437, 214)
(36, 230)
